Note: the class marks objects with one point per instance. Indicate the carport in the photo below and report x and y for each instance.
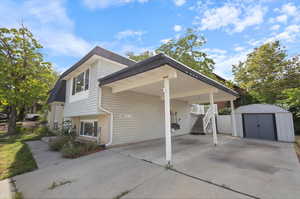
(163, 76)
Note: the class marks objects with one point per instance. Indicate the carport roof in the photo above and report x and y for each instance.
(158, 61)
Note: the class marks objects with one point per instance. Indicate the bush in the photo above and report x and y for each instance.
(44, 131)
(76, 149)
(56, 144)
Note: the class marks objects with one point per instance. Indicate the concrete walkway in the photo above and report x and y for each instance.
(43, 156)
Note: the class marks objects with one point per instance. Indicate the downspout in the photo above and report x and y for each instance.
(111, 118)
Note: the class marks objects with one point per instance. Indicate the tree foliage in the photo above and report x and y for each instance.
(25, 77)
(186, 49)
(263, 72)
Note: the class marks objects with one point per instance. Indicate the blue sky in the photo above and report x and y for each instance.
(69, 29)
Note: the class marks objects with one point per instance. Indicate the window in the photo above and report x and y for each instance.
(81, 82)
(89, 128)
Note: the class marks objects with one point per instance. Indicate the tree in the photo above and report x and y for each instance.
(263, 71)
(25, 76)
(186, 50)
(141, 56)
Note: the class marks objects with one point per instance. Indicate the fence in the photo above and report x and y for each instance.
(224, 124)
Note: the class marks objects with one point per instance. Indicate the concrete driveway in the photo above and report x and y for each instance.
(109, 174)
(262, 169)
(236, 168)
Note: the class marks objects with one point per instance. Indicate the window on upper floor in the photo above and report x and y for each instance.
(81, 82)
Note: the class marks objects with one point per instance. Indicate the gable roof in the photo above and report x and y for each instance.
(157, 61)
(59, 91)
(103, 53)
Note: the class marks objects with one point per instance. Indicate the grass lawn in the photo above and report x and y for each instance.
(15, 155)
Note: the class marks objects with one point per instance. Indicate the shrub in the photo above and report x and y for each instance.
(72, 150)
(56, 144)
(44, 131)
(76, 149)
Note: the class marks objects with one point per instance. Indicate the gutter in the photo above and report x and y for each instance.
(111, 120)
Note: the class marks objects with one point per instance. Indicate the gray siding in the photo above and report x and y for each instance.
(285, 127)
(89, 106)
(139, 117)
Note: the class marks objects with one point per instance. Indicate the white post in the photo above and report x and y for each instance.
(233, 118)
(167, 120)
(215, 139)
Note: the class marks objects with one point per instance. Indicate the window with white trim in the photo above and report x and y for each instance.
(81, 82)
(89, 128)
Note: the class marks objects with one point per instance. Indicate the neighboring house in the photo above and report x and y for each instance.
(114, 100)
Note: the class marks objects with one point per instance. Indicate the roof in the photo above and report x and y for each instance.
(103, 53)
(58, 93)
(260, 108)
(157, 61)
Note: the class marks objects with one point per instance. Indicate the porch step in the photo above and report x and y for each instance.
(198, 126)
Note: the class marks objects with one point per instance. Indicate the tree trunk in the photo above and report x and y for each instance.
(21, 114)
(12, 120)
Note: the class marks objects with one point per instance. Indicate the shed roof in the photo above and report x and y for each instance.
(260, 108)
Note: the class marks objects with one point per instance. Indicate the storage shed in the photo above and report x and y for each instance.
(264, 121)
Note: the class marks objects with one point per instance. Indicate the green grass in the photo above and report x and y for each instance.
(15, 156)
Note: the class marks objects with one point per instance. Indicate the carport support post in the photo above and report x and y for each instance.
(214, 128)
(233, 118)
(167, 120)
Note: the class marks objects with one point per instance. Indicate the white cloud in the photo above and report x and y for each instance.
(290, 34)
(129, 33)
(49, 23)
(275, 27)
(223, 63)
(164, 41)
(214, 51)
(254, 16)
(281, 18)
(177, 28)
(218, 17)
(93, 4)
(179, 2)
(289, 9)
(237, 17)
(238, 48)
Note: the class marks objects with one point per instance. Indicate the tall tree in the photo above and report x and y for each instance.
(25, 76)
(262, 72)
(186, 49)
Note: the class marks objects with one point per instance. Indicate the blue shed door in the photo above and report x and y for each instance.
(259, 126)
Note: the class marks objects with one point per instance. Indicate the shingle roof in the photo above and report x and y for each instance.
(59, 90)
(57, 94)
(157, 61)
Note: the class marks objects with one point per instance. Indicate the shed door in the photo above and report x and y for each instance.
(259, 126)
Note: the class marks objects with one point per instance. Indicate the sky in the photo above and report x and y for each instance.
(68, 29)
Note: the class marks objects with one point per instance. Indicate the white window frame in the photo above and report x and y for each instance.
(82, 94)
(89, 121)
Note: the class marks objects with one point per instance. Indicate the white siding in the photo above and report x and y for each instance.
(224, 124)
(285, 127)
(89, 106)
(139, 117)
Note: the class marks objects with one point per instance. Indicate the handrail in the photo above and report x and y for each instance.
(207, 117)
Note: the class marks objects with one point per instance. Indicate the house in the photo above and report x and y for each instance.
(114, 100)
